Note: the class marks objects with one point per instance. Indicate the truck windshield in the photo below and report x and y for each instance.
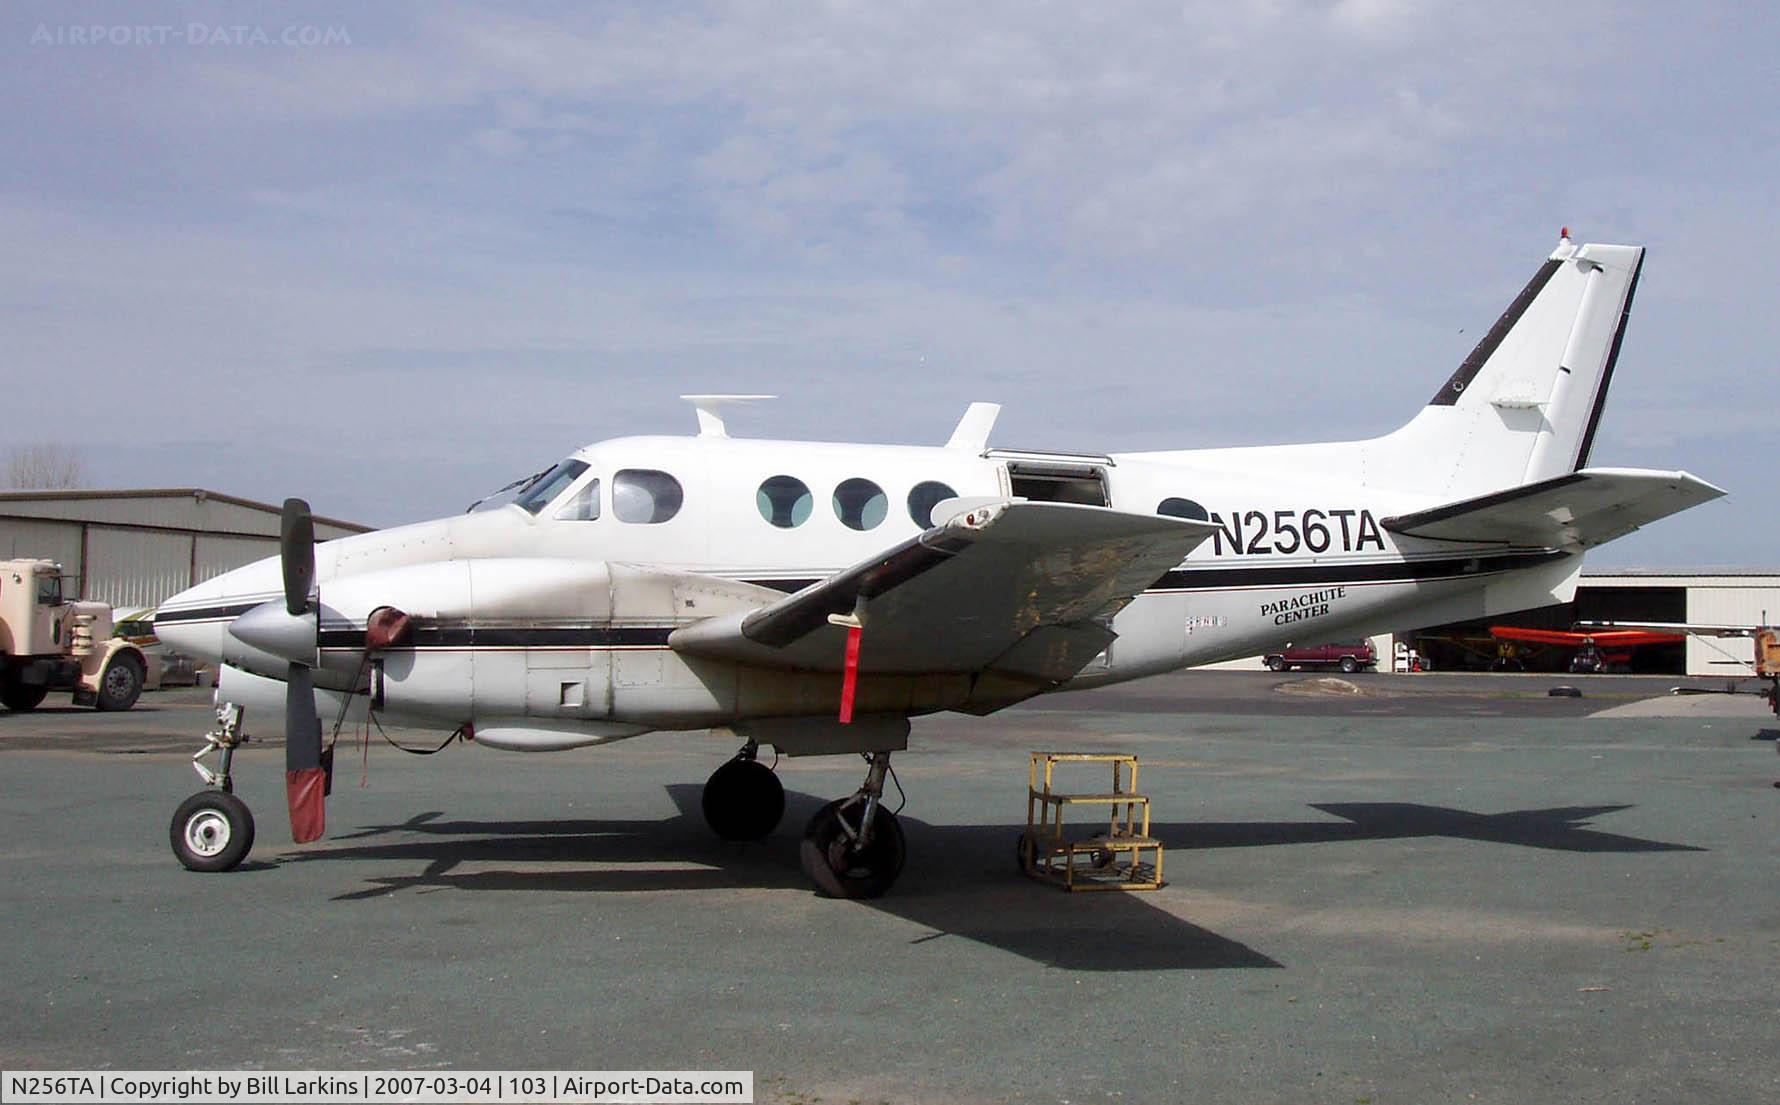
(49, 590)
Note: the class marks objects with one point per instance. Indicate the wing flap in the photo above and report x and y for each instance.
(1577, 510)
(968, 595)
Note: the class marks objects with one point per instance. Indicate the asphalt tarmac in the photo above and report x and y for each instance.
(1401, 889)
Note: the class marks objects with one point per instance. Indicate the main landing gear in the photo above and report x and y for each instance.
(213, 830)
(854, 848)
(743, 799)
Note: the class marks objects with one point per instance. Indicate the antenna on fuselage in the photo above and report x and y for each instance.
(710, 407)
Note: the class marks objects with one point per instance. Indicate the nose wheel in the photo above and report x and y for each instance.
(743, 799)
(213, 830)
(854, 848)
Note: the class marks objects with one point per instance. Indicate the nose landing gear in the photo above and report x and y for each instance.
(213, 830)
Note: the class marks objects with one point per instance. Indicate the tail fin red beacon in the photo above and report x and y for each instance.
(1524, 406)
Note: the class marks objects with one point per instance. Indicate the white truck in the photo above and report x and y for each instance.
(48, 644)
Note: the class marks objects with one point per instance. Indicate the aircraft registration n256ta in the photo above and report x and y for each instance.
(813, 597)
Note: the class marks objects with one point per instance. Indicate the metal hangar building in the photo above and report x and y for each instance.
(135, 548)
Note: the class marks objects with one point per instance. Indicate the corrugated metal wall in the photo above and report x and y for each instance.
(1727, 605)
(130, 567)
(218, 554)
(30, 540)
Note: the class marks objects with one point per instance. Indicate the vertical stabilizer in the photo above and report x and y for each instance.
(1524, 406)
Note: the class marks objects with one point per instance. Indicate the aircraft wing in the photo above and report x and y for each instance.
(1573, 511)
(1612, 638)
(1693, 629)
(1028, 588)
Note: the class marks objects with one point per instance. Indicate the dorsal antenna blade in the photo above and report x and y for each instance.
(710, 408)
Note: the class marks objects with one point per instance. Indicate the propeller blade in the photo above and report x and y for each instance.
(305, 773)
(296, 554)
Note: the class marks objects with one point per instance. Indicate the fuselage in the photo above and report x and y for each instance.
(1295, 558)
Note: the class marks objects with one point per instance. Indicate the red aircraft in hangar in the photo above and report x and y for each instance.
(1598, 651)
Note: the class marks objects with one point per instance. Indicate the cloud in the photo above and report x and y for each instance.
(482, 233)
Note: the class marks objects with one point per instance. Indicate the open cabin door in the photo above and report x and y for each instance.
(1078, 478)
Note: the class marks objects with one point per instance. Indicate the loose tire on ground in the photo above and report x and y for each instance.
(121, 684)
(211, 831)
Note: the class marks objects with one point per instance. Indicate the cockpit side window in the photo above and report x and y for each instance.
(536, 495)
(583, 505)
(645, 496)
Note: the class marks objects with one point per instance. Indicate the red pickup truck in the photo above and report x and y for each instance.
(1349, 656)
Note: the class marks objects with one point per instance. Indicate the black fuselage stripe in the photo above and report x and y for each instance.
(1189, 579)
(469, 636)
(1408, 571)
(205, 613)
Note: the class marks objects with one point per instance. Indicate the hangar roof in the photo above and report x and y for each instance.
(186, 509)
(1681, 577)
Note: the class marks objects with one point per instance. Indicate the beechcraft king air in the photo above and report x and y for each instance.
(813, 597)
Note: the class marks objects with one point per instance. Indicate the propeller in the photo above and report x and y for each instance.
(308, 771)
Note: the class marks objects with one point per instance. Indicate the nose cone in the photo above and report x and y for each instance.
(273, 629)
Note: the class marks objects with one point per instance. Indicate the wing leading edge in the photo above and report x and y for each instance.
(1577, 510)
(1024, 588)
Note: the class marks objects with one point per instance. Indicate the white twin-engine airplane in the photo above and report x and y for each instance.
(814, 597)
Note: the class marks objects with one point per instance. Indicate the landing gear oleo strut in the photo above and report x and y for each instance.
(853, 848)
(213, 830)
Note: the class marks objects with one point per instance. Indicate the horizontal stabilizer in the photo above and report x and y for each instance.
(1574, 511)
(1025, 587)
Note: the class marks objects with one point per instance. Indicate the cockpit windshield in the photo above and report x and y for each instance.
(533, 491)
(540, 491)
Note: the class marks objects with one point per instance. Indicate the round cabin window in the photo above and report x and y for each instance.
(860, 504)
(785, 501)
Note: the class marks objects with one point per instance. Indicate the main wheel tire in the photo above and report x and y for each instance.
(743, 800)
(840, 870)
(1276, 663)
(22, 697)
(1349, 665)
(1026, 853)
(211, 831)
(121, 684)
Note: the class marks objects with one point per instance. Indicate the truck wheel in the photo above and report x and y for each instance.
(1349, 665)
(1276, 663)
(121, 684)
(21, 697)
(211, 831)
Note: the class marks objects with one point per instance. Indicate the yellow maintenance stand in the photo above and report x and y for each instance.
(1123, 857)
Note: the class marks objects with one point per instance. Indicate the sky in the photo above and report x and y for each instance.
(389, 257)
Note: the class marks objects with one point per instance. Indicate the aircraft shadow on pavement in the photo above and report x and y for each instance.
(1562, 828)
(961, 881)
